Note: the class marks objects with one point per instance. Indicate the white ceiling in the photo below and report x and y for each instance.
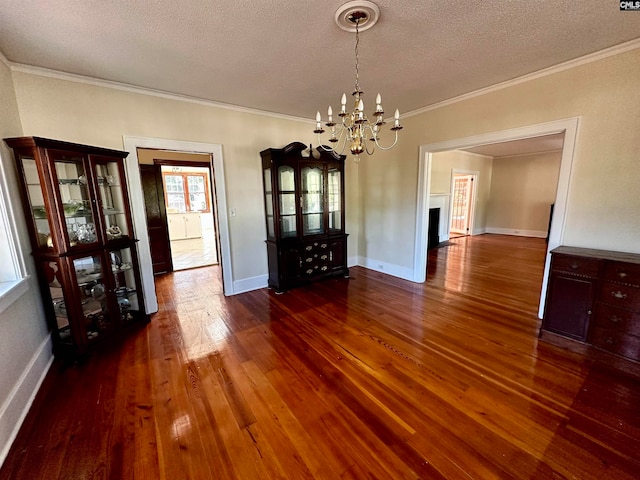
(290, 57)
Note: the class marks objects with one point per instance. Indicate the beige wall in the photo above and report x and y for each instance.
(522, 190)
(101, 116)
(603, 205)
(24, 348)
(442, 166)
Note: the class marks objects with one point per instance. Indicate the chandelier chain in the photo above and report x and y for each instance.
(357, 57)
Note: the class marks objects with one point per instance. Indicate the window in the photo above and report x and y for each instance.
(187, 192)
(12, 268)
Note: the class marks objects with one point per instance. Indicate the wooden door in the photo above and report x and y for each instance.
(156, 218)
(461, 204)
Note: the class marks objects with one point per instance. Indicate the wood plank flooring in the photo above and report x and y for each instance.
(370, 377)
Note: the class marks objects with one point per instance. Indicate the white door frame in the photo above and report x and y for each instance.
(131, 144)
(567, 126)
(474, 194)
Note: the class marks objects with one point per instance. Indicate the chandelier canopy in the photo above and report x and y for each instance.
(355, 128)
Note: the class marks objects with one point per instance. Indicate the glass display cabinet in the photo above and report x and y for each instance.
(78, 216)
(304, 213)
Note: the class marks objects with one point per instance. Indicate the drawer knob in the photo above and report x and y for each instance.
(589, 312)
(308, 248)
(615, 318)
(622, 274)
(619, 294)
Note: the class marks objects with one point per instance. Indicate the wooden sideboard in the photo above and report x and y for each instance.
(593, 301)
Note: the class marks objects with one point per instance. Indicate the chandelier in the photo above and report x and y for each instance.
(355, 128)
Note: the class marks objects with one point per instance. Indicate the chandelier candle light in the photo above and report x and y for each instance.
(355, 128)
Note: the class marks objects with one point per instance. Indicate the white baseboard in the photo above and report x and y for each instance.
(15, 408)
(516, 232)
(249, 284)
(389, 268)
(352, 261)
(479, 231)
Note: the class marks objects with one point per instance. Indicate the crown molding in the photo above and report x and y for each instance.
(473, 154)
(542, 152)
(589, 58)
(4, 60)
(72, 77)
(576, 62)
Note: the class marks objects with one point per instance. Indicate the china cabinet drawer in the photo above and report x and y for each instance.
(620, 295)
(626, 273)
(580, 266)
(617, 318)
(616, 342)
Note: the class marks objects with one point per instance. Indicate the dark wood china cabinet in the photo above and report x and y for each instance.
(305, 216)
(79, 220)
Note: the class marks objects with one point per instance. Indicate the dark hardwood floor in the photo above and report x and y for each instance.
(371, 377)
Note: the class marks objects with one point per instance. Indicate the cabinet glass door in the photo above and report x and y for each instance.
(125, 284)
(73, 187)
(109, 182)
(334, 197)
(51, 268)
(287, 201)
(92, 294)
(39, 214)
(268, 203)
(312, 190)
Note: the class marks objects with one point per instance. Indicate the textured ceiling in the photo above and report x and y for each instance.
(290, 57)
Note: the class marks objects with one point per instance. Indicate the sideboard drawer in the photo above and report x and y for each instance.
(580, 266)
(620, 319)
(617, 342)
(627, 273)
(620, 295)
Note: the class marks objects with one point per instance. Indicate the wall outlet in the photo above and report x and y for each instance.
(232, 212)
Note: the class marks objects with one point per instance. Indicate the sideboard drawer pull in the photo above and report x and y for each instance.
(615, 318)
(622, 274)
(575, 266)
(619, 294)
(609, 341)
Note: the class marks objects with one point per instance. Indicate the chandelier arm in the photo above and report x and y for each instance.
(342, 137)
(366, 147)
(390, 146)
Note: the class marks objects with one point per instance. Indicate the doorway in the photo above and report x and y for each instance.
(567, 127)
(190, 214)
(462, 203)
(215, 154)
(180, 209)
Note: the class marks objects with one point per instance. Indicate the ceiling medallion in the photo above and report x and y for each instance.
(355, 128)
